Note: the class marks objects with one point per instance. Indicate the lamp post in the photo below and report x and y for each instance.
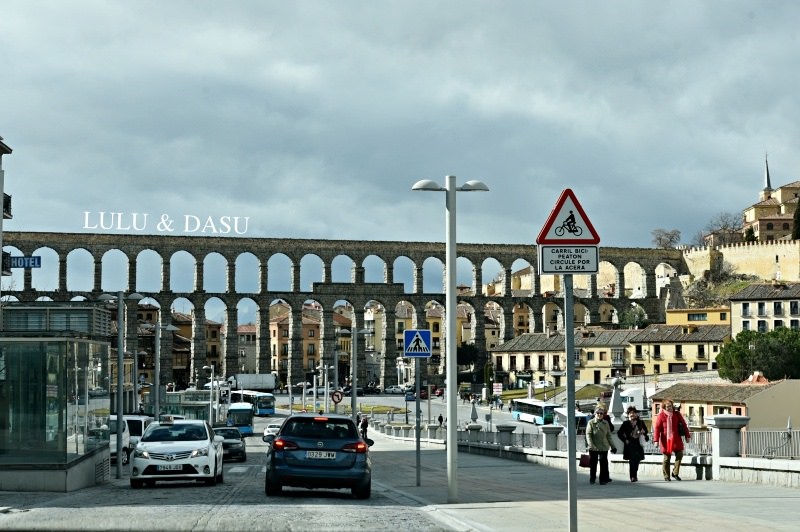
(210, 396)
(451, 369)
(120, 297)
(353, 371)
(157, 328)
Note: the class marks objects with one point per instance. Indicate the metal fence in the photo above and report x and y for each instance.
(770, 444)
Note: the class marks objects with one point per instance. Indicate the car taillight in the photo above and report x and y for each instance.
(358, 447)
(284, 445)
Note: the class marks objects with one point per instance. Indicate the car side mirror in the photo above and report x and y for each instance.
(269, 438)
(369, 441)
(218, 438)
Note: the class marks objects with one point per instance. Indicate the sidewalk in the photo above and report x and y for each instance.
(497, 494)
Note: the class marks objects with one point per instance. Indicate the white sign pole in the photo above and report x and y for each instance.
(569, 348)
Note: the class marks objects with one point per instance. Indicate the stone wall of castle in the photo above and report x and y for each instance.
(766, 260)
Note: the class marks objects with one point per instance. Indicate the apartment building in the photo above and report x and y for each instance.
(765, 307)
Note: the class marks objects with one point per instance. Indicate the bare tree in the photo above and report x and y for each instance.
(664, 239)
(726, 227)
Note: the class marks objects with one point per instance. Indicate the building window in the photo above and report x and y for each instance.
(777, 308)
(527, 363)
(311, 333)
(785, 227)
(286, 333)
(745, 325)
(770, 226)
(310, 349)
(762, 326)
(698, 316)
(590, 356)
(794, 324)
(602, 356)
(678, 351)
(701, 351)
(400, 326)
(512, 363)
(436, 327)
(285, 349)
(656, 351)
(794, 308)
(762, 309)
(777, 324)
(498, 363)
(745, 309)
(723, 316)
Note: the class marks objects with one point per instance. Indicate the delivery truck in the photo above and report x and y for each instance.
(260, 382)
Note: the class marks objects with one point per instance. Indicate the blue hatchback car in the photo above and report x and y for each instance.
(318, 451)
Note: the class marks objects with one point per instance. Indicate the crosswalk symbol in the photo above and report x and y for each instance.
(417, 343)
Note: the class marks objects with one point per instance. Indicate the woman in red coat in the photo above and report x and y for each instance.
(667, 431)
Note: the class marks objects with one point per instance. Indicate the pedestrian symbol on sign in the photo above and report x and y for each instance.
(417, 343)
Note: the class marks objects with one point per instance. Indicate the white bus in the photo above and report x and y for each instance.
(533, 411)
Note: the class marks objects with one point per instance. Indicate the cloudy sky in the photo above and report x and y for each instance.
(314, 119)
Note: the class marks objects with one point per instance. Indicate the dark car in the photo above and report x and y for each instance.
(318, 451)
(234, 446)
(411, 396)
(372, 390)
(348, 391)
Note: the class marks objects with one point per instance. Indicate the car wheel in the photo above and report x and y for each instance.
(272, 488)
(362, 492)
(125, 457)
(136, 483)
(220, 477)
(244, 457)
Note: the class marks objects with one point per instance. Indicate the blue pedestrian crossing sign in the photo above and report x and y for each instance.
(417, 343)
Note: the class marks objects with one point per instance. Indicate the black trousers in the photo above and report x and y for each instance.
(602, 458)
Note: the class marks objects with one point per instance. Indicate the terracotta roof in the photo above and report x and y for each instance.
(727, 393)
(246, 328)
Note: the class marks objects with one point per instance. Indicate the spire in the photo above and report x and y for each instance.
(767, 184)
(766, 192)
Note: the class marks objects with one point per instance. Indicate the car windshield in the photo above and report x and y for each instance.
(175, 433)
(229, 434)
(321, 428)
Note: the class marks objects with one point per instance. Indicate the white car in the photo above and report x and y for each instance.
(272, 428)
(543, 384)
(185, 449)
(393, 389)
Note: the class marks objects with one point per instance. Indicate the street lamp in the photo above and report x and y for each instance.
(120, 297)
(353, 369)
(157, 366)
(210, 396)
(451, 369)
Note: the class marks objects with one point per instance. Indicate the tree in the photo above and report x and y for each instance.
(663, 239)
(750, 234)
(467, 354)
(633, 318)
(726, 227)
(796, 224)
(776, 354)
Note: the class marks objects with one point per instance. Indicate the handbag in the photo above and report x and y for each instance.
(585, 461)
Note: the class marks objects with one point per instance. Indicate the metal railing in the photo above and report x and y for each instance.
(770, 444)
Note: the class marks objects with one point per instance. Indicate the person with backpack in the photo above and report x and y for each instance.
(363, 426)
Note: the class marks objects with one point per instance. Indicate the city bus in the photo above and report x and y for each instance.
(581, 419)
(533, 411)
(240, 415)
(263, 402)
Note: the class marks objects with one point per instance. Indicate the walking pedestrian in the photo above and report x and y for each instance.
(363, 426)
(441, 419)
(632, 432)
(598, 442)
(669, 430)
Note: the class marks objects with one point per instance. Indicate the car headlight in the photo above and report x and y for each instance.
(200, 452)
(141, 453)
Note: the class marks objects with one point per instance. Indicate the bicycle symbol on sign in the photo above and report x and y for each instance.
(569, 226)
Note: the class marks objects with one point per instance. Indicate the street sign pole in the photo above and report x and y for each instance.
(567, 244)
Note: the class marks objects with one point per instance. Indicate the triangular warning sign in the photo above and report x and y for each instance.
(417, 345)
(568, 223)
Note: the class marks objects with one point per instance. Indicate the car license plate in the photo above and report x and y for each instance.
(170, 467)
(325, 455)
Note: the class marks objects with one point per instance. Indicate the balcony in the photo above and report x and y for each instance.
(6, 206)
(618, 362)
